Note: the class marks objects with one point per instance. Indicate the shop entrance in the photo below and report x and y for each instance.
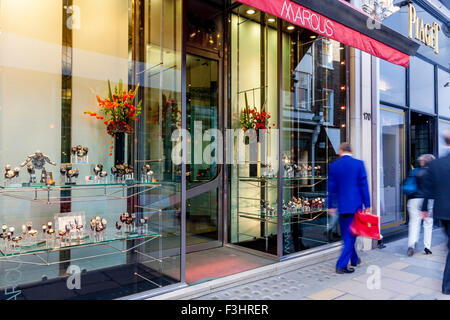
(422, 136)
(392, 175)
(202, 208)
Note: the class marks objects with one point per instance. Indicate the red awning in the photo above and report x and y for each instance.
(309, 19)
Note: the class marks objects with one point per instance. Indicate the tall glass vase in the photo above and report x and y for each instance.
(119, 148)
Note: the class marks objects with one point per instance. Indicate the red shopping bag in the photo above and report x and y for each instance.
(366, 225)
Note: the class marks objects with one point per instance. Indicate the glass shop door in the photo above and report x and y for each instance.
(203, 225)
(392, 166)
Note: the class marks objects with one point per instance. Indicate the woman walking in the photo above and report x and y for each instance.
(415, 209)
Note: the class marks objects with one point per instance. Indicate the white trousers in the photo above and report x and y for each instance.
(415, 219)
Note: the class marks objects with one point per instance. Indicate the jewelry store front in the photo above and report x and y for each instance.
(96, 199)
(414, 106)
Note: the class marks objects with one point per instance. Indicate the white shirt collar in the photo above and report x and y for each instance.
(347, 154)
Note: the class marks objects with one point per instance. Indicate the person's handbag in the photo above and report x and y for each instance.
(410, 185)
(366, 225)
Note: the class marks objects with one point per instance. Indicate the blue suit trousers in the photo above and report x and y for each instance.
(349, 251)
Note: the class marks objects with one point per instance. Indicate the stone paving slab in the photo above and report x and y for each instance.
(402, 278)
(425, 272)
(327, 294)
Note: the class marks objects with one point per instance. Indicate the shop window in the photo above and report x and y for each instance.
(253, 188)
(328, 106)
(303, 83)
(444, 126)
(327, 54)
(393, 166)
(444, 93)
(113, 216)
(421, 85)
(310, 137)
(392, 83)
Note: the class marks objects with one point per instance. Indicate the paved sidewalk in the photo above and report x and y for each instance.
(401, 278)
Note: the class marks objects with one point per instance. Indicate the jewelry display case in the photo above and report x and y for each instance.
(304, 215)
(92, 227)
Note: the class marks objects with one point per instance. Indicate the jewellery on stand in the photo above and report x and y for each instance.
(147, 173)
(61, 234)
(17, 239)
(122, 171)
(288, 168)
(37, 161)
(97, 169)
(317, 171)
(11, 174)
(32, 233)
(11, 230)
(118, 226)
(79, 154)
(129, 170)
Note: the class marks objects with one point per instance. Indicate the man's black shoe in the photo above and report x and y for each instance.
(346, 270)
(357, 264)
(428, 251)
(410, 252)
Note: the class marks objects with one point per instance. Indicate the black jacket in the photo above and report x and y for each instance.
(437, 186)
(420, 176)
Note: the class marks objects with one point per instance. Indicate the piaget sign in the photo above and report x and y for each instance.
(427, 33)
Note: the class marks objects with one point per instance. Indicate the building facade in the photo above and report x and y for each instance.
(126, 135)
(414, 103)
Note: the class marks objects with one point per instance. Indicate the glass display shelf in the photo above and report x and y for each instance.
(42, 186)
(41, 248)
(46, 194)
(263, 216)
(262, 178)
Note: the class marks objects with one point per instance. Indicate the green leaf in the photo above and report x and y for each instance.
(120, 87)
(109, 91)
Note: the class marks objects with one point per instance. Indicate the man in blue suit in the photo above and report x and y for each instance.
(348, 191)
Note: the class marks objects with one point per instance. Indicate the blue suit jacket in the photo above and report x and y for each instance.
(348, 190)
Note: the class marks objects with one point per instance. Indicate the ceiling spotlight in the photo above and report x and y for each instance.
(313, 37)
(291, 28)
(271, 20)
(251, 11)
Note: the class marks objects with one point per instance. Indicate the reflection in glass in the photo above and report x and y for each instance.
(392, 83)
(253, 192)
(392, 137)
(443, 127)
(444, 93)
(311, 135)
(60, 83)
(201, 218)
(202, 95)
(421, 85)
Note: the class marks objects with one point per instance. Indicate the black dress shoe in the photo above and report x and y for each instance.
(428, 251)
(357, 264)
(380, 244)
(346, 270)
(410, 252)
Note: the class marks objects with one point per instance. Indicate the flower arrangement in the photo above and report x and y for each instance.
(171, 109)
(119, 110)
(251, 118)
